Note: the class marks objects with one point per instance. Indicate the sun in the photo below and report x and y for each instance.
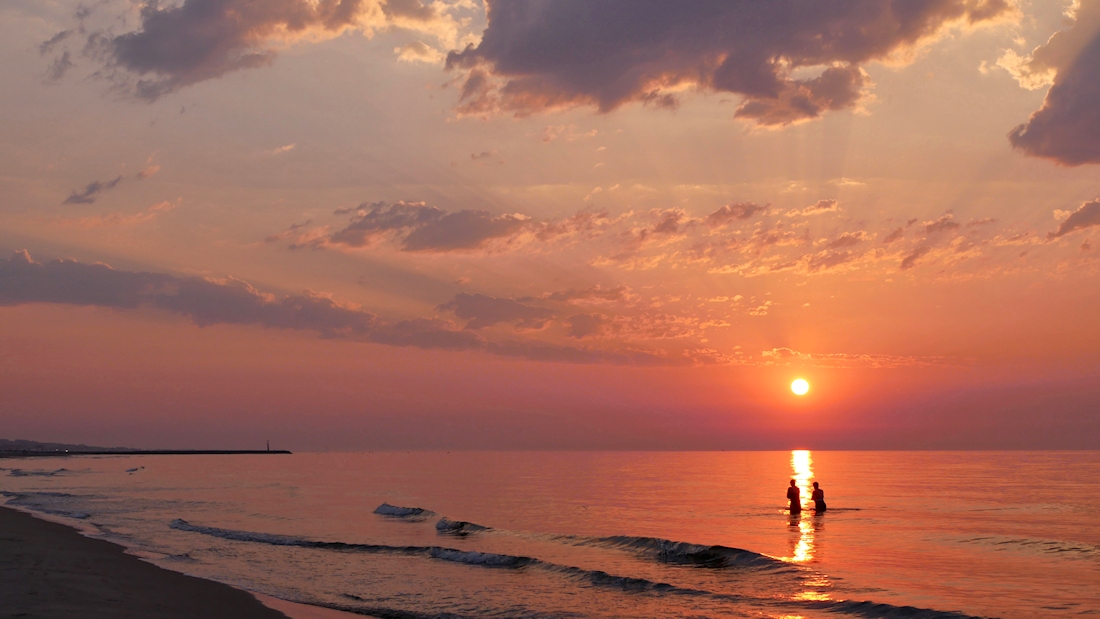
(800, 386)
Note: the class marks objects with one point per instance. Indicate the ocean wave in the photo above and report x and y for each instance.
(875, 610)
(395, 511)
(594, 577)
(1058, 547)
(472, 557)
(669, 551)
(383, 612)
(36, 473)
(458, 527)
(468, 557)
(52, 503)
(275, 539)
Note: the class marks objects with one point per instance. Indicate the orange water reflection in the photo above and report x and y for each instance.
(803, 547)
(802, 464)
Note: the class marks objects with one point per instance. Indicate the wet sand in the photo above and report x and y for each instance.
(49, 570)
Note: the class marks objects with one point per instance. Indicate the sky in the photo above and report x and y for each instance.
(550, 224)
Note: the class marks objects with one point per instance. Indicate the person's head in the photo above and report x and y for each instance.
(815, 485)
(792, 482)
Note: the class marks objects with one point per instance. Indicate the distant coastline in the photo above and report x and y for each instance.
(34, 449)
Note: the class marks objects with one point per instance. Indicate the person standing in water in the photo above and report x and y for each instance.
(796, 502)
(819, 499)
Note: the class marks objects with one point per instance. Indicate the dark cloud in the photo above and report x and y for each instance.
(1086, 216)
(417, 226)
(196, 40)
(582, 325)
(828, 259)
(484, 311)
(585, 223)
(92, 192)
(373, 220)
(426, 228)
(210, 302)
(592, 293)
(466, 229)
(736, 210)
(836, 88)
(669, 221)
(1067, 127)
(46, 46)
(485, 154)
(539, 55)
(896, 235)
(60, 66)
(291, 231)
(910, 260)
(848, 239)
(943, 224)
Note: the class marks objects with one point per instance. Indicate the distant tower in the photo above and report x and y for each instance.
(269, 445)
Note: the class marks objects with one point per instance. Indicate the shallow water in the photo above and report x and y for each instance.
(682, 534)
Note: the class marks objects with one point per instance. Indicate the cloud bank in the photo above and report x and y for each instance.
(1066, 128)
(231, 301)
(1086, 216)
(542, 55)
(183, 44)
(426, 228)
(484, 311)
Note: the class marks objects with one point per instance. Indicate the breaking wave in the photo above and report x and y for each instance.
(472, 557)
(668, 551)
(52, 503)
(458, 527)
(36, 473)
(275, 539)
(395, 511)
(690, 553)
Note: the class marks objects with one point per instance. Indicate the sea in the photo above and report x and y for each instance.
(411, 535)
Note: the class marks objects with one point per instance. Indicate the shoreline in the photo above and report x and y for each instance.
(52, 570)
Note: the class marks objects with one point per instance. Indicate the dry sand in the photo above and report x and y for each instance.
(49, 570)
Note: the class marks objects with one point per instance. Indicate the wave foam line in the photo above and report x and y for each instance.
(595, 577)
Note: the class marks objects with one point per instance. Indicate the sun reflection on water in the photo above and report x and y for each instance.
(802, 466)
(802, 463)
(802, 469)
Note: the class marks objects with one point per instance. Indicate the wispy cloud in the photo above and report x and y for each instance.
(119, 219)
(232, 301)
(92, 191)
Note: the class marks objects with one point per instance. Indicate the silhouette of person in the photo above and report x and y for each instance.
(793, 494)
(819, 499)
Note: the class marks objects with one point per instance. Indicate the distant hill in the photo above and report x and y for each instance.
(22, 445)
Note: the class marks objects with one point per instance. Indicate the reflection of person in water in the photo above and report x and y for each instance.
(796, 502)
(819, 499)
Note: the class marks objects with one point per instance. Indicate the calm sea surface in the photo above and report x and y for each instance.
(907, 534)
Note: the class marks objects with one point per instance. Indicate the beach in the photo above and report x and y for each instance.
(50, 570)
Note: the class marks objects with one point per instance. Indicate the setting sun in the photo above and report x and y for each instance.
(800, 386)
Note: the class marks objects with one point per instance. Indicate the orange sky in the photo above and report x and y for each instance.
(360, 224)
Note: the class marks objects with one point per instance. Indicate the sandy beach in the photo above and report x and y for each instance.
(50, 570)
